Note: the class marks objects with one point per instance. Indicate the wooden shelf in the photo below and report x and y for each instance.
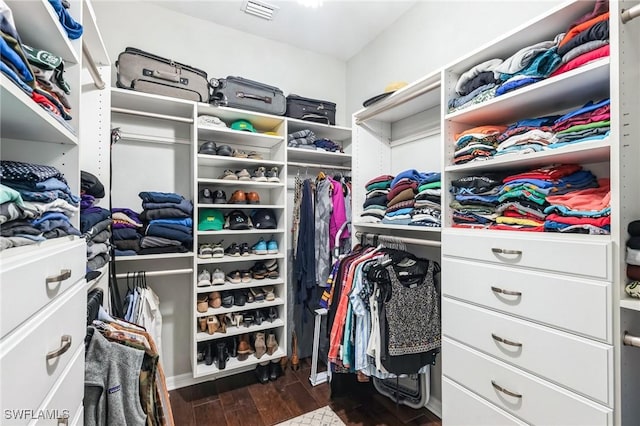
(243, 183)
(163, 256)
(335, 133)
(234, 259)
(24, 119)
(203, 336)
(230, 286)
(233, 364)
(223, 161)
(246, 307)
(316, 156)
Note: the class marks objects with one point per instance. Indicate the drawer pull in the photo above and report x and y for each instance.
(64, 421)
(505, 251)
(505, 391)
(64, 346)
(506, 292)
(505, 341)
(65, 274)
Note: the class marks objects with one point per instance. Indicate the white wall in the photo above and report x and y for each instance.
(429, 36)
(221, 51)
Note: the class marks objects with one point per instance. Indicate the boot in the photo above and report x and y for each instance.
(275, 370)
(244, 347)
(222, 355)
(295, 362)
(272, 344)
(208, 354)
(232, 345)
(262, 372)
(260, 345)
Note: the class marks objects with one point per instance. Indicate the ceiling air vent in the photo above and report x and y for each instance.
(260, 9)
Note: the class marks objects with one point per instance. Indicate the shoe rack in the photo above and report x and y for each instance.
(225, 328)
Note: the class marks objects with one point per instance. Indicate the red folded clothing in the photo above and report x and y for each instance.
(546, 173)
(381, 178)
(598, 53)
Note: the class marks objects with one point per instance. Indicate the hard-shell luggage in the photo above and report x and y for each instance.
(311, 109)
(145, 72)
(238, 92)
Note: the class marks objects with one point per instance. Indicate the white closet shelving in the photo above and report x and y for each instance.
(297, 157)
(510, 287)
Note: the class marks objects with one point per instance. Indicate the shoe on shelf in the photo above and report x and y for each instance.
(222, 319)
(259, 271)
(259, 175)
(217, 277)
(227, 299)
(234, 277)
(205, 251)
(233, 250)
(219, 197)
(273, 271)
(239, 299)
(269, 293)
(260, 247)
(249, 296)
(272, 343)
(204, 278)
(208, 353)
(248, 320)
(245, 250)
(272, 175)
(238, 197)
(237, 153)
(232, 346)
(217, 251)
(272, 246)
(205, 196)
(244, 347)
(275, 369)
(202, 323)
(253, 198)
(224, 150)
(215, 301)
(212, 324)
(228, 175)
(260, 345)
(273, 314)
(203, 304)
(222, 355)
(208, 147)
(258, 294)
(262, 372)
(259, 316)
(245, 276)
(243, 175)
(254, 155)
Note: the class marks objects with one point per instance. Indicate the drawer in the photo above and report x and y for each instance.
(25, 287)
(462, 408)
(65, 398)
(575, 304)
(27, 375)
(531, 399)
(555, 355)
(590, 256)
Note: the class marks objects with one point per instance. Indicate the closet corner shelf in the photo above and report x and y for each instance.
(233, 363)
(221, 160)
(386, 227)
(316, 156)
(241, 206)
(242, 232)
(567, 90)
(24, 119)
(629, 303)
(580, 153)
(48, 34)
(150, 103)
(262, 122)
(242, 183)
(91, 35)
(238, 137)
(231, 286)
(203, 336)
(335, 133)
(153, 257)
(246, 307)
(230, 259)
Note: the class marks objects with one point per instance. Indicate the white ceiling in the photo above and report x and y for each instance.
(338, 28)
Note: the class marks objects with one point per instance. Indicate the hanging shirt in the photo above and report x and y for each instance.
(323, 209)
(338, 214)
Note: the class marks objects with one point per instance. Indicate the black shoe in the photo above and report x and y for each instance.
(239, 298)
(219, 197)
(259, 317)
(232, 346)
(233, 250)
(245, 250)
(205, 196)
(222, 355)
(262, 372)
(201, 353)
(275, 369)
(208, 354)
(227, 299)
(209, 147)
(273, 314)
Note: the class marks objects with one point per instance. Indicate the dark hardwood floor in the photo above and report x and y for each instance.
(242, 400)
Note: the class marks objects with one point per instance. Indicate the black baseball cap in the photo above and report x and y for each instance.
(264, 219)
(237, 220)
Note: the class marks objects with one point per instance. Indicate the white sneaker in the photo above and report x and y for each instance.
(204, 278)
(217, 278)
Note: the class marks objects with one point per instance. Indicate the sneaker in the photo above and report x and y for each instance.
(243, 175)
(272, 175)
(205, 251)
(228, 175)
(272, 246)
(259, 175)
(204, 278)
(260, 247)
(216, 250)
(217, 278)
(219, 197)
(233, 250)
(244, 249)
(205, 196)
(245, 276)
(234, 277)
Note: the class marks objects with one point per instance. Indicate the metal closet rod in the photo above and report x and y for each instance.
(629, 14)
(394, 239)
(318, 166)
(157, 273)
(152, 115)
(92, 67)
(153, 139)
(630, 340)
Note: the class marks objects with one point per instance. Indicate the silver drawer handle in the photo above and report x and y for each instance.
(64, 274)
(65, 344)
(506, 292)
(505, 251)
(505, 341)
(505, 391)
(64, 421)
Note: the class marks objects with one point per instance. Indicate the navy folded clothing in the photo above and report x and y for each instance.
(125, 234)
(160, 197)
(184, 205)
(149, 215)
(89, 217)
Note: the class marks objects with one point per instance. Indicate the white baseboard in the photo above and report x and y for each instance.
(435, 406)
(184, 380)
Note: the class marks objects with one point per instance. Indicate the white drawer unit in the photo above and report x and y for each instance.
(575, 304)
(557, 356)
(30, 281)
(34, 359)
(590, 258)
(521, 394)
(462, 408)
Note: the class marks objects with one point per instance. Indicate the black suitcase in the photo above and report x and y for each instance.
(238, 92)
(311, 109)
(145, 72)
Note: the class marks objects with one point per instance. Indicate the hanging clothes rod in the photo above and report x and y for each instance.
(153, 139)
(394, 239)
(318, 166)
(630, 340)
(152, 115)
(629, 14)
(92, 67)
(158, 273)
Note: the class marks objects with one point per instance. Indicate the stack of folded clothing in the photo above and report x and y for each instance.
(479, 84)
(475, 200)
(95, 222)
(302, 139)
(526, 136)
(375, 205)
(427, 210)
(126, 231)
(590, 122)
(478, 143)
(325, 144)
(169, 223)
(633, 259)
(401, 200)
(36, 204)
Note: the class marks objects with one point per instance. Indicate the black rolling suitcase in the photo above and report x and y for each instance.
(238, 92)
(145, 72)
(309, 109)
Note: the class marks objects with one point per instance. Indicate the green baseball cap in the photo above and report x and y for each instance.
(243, 125)
(210, 220)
